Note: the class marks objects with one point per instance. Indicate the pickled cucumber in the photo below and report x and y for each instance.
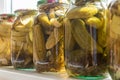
(84, 12)
(69, 40)
(44, 20)
(94, 22)
(82, 37)
(115, 26)
(103, 32)
(54, 38)
(39, 43)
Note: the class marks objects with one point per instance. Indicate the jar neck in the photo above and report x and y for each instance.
(26, 12)
(19, 11)
(31, 12)
(82, 2)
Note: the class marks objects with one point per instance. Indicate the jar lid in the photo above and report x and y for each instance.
(21, 11)
(8, 17)
(5, 15)
(41, 2)
(50, 1)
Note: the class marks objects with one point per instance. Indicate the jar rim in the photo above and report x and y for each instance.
(7, 14)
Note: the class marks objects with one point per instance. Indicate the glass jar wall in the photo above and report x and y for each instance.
(22, 39)
(6, 21)
(49, 37)
(115, 39)
(86, 52)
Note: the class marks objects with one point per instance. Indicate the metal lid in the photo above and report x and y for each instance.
(51, 1)
(41, 2)
(8, 17)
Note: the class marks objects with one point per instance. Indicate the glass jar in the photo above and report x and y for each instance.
(6, 21)
(115, 39)
(22, 39)
(86, 53)
(48, 41)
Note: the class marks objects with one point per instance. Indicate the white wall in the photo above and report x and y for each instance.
(5, 6)
(24, 4)
(2, 6)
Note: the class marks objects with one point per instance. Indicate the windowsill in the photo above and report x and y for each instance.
(8, 73)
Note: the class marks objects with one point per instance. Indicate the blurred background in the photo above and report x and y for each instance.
(9, 6)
